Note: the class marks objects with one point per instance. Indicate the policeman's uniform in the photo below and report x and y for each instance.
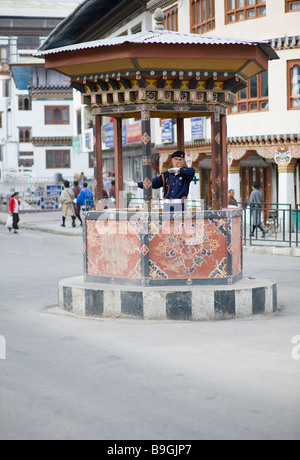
(175, 186)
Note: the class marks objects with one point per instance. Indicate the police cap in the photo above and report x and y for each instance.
(178, 154)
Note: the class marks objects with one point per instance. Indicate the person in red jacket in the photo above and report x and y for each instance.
(14, 205)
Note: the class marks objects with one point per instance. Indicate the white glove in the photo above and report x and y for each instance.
(175, 171)
(131, 183)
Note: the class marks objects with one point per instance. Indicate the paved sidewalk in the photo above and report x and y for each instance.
(49, 222)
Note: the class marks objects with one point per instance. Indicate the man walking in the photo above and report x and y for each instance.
(256, 204)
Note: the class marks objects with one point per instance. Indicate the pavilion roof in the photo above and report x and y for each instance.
(163, 37)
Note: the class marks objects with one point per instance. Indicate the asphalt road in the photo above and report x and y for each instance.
(72, 378)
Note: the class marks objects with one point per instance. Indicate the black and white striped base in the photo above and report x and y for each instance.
(195, 303)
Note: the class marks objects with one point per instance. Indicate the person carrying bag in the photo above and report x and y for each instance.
(14, 205)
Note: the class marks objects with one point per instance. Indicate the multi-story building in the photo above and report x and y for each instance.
(36, 106)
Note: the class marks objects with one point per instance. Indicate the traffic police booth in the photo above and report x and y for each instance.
(137, 257)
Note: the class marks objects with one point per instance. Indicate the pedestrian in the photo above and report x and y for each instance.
(82, 177)
(112, 190)
(256, 203)
(14, 206)
(76, 190)
(231, 199)
(85, 197)
(68, 210)
(175, 183)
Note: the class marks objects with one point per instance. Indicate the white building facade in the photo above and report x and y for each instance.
(36, 106)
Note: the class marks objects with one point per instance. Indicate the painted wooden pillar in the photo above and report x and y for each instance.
(180, 133)
(118, 161)
(224, 193)
(98, 173)
(146, 160)
(216, 158)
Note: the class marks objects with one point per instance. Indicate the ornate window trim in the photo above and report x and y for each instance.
(171, 18)
(247, 102)
(52, 157)
(293, 84)
(290, 6)
(202, 16)
(243, 10)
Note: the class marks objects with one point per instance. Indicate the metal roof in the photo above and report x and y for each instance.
(92, 19)
(163, 37)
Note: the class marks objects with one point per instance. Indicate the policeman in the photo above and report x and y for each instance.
(175, 182)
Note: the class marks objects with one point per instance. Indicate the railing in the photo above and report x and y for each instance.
(273, 224)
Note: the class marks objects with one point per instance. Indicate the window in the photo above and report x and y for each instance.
(58, 159)
(91, 160)
(24, 134)
(293, 84)
(202, 16)
(6, 88)
(57, 115)
(255, 97)
(26, 162)
(292, 5)
(136, 29)
(28, 43)
(3, 55)
(78, 118)
(24, 103)
(171, 19)
(242, 10)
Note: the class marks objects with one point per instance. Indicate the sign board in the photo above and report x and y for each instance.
(197, 128)
(76, 144)
(134, 133)
(50, 197)
(108, 135)
(167, 131)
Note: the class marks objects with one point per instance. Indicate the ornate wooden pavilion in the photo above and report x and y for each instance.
(162, 74)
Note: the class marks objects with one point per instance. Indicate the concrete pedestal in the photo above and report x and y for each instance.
(245, 298)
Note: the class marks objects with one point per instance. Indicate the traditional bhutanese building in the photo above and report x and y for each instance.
(29, 95)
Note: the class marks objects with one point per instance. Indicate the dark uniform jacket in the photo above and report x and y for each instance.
(175, 187)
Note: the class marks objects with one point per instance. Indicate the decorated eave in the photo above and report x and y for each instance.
(160, 67)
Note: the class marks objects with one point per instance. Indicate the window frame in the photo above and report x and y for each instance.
(6, 88)
(23, 138)
(28, 42)
(205, 25)
(248, 100)
(53, 109)
(4, 54)
(290, 97)
(243, 9)
(55, 165)
(22, 103)
(171, 18)
(288, 5)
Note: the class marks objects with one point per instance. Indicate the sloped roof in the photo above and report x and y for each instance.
(90, 17)
(163, 37)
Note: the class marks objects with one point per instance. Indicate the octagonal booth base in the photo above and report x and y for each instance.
(162, 249)
(245, 298)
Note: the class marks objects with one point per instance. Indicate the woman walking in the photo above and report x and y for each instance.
(14, 205)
